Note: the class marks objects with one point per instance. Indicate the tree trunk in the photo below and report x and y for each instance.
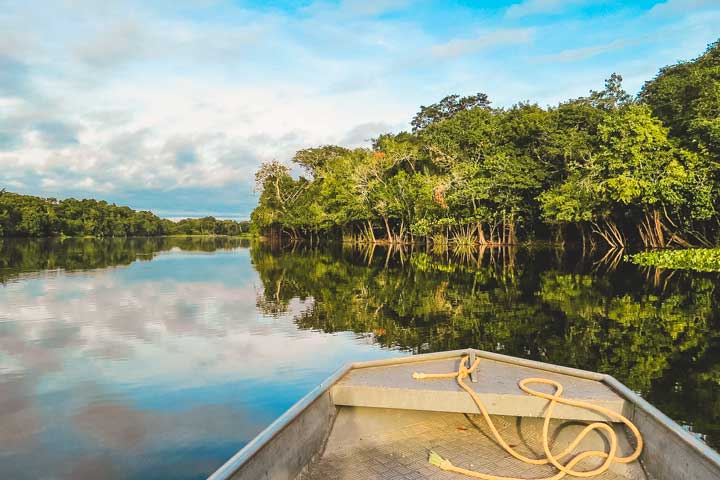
(480, 234)
(387, 229)
(511, 229)
(371, 232)
(610, 233)
(504, 229)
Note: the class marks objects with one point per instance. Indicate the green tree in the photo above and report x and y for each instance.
(447, 108)
(686, 98)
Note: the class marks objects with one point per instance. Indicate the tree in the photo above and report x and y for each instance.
(599, 168)
(686, 98)
(447, 108)
(612, 97)
(317, 161)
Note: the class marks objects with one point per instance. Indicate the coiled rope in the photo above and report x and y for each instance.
(552, 458)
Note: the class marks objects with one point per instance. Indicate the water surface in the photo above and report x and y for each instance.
(159, 358)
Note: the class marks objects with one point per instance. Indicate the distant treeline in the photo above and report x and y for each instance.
(29, 216)
(608, 168)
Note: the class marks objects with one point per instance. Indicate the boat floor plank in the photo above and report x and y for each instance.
(392, 386)
(385, 444)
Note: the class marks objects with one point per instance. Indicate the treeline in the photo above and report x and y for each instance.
(605, 169)
(207, 226)
(29, 216)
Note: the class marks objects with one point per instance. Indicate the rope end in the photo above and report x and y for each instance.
(438, 461)
(417, 375)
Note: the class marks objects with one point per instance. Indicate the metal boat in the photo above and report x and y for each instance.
(374, 420)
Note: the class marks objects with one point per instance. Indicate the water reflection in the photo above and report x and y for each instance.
(656, 331)
(165, 367)
(20, 256)
(161, 369)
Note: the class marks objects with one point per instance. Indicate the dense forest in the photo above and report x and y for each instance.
(606, 169)
(28, 216)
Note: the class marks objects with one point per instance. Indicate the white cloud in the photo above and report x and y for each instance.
(538, 7)
(127, 100)
(15, 43)
(353, 8)
(121, 42)
(373, 7)
(672, 7)
(49, 183)
(578, 54)
(467, 46)
(14, 184)
(360, 135)
(189, 135)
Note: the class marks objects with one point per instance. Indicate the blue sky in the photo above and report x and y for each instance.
(171, 105)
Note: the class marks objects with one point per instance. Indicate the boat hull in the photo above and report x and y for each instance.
(295, 444)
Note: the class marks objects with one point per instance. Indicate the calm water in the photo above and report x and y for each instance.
(159, 358)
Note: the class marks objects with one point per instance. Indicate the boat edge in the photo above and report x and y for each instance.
(231, 466)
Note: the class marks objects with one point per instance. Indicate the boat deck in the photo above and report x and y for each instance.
(377, 443)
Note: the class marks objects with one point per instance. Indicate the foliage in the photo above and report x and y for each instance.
(698, 259)
(601, 169)
(206, 226)
(685, 97)
(28, 216)
(447, 108)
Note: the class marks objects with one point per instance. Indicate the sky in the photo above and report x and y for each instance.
(171, 105)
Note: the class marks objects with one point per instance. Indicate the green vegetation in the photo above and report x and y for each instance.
(698, 259)
(28, 216)
(606, 169)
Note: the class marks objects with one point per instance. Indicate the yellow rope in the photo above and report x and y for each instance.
(554, 459)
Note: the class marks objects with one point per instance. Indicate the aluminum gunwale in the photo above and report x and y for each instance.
(686, 437)
(548, 367)
(409, 359)
(228, 469)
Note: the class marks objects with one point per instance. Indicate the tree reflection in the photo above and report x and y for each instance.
(19, 256)
(659, 338)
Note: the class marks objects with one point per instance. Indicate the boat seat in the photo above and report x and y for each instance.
(392, 386)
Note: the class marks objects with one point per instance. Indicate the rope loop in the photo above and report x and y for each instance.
(554, 459)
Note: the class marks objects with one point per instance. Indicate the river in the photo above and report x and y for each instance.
(159, 358)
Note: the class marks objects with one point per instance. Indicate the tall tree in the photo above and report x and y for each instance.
(447, 108)
(686, 98)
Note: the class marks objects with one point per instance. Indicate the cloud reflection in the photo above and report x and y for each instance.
(126, 371)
